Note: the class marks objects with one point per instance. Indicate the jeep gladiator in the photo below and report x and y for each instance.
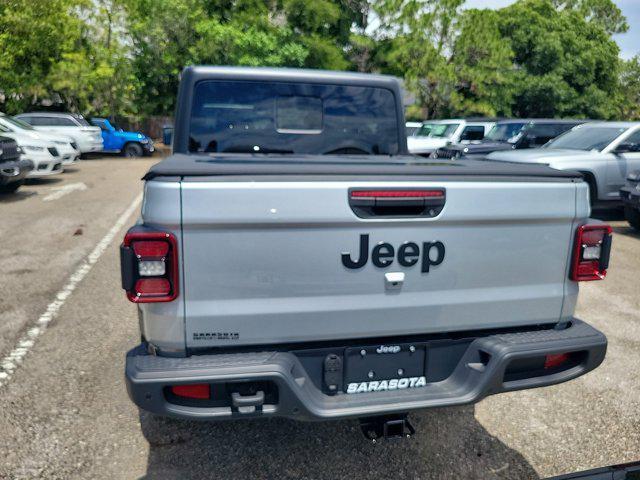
(292, 259)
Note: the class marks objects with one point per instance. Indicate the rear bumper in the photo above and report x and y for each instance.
(479, 372)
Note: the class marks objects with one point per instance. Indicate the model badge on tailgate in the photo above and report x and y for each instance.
(409, 253)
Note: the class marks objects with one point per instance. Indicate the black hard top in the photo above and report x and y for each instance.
(355, 166)
(194, 74)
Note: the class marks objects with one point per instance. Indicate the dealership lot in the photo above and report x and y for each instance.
(64, 412)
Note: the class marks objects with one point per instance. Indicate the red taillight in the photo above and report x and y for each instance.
(397, 193)
(149, 262)
(151, 248)
(195, 390)
(555, 360)
(591, 253)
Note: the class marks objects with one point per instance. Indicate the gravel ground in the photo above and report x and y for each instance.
(65, 412)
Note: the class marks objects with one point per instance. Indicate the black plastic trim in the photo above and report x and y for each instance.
(379, 166)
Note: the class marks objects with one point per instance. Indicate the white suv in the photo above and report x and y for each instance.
(66, 146)
(87, 137)
(440, 133)
(42, 153)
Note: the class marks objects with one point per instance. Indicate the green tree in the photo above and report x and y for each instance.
(483, 65)
(34, 35)
(565, 64)
(417, 38)
(605, 13)
(629, 100)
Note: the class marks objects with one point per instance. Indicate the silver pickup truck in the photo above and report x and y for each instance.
(294, 260)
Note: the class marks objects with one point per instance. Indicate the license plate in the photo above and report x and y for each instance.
(384, 367)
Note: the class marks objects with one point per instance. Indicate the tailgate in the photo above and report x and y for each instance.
(263, 261)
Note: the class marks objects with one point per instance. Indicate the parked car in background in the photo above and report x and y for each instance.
(116, 140)
(444, 132)
(13, 169)
(66, 146)
(87, 137)
(630, 195)
(604, 152)
(411, 127)
(511, 134)
(42, 153)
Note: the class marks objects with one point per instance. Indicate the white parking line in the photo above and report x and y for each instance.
(60, 192)
(10, 363)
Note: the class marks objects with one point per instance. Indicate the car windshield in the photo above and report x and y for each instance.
(443, 130)
(17, 122)
(424, 130)
(278, 117)
(504, 132)
(587, 138)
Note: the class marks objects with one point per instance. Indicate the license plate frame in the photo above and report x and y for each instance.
(384, 361)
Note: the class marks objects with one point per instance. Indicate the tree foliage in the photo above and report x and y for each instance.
(566, 64)
(124, 57)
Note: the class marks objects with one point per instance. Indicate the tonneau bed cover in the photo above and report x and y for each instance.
(234, 164)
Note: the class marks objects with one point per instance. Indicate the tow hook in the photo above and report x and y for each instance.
(247, 403)
(387, 427)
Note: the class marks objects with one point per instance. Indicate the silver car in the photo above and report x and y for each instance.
(604, 152)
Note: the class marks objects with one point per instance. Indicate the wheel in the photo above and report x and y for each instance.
(11, 187)
(132, 150)
(633, 217)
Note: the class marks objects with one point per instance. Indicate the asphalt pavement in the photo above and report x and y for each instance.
(65, 326)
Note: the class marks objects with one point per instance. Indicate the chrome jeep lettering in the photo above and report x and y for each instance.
(388, 349)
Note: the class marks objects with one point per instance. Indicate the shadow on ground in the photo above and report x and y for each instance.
(44, 181)
(12, 197)
(449, 443)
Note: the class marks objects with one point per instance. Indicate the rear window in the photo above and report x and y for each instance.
(260, 117)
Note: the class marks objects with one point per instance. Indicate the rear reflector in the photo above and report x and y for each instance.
(195, 390)
(153, 286)
(149, 263)
(397, 193)
(552, 361)
(591, 253)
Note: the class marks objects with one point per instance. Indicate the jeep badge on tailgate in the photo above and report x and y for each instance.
(408, 254)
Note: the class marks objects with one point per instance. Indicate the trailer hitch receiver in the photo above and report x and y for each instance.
(386, 427)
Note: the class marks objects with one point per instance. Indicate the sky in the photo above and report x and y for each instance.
(629, 42)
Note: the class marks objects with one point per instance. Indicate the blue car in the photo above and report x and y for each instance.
(130, 144)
